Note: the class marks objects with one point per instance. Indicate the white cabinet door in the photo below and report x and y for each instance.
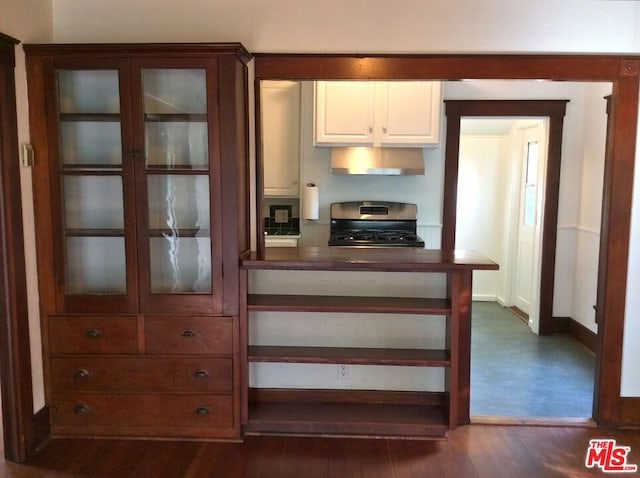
(344, 112)
(409, 112)
(280, 109)
(377, 113)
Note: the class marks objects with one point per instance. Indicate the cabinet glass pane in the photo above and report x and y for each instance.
(95, 265)
(180, 245)
(93, 202)
(88, 91)
(175, 91)
(90, 143)
(179, 203)
(177, 144)
(180, 264)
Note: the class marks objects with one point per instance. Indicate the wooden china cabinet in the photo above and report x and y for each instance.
(141, 214)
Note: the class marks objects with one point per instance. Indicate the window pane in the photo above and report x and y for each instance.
(88, 91)
(180, 244)
(180, 264)
(95, 265)
(178, 144)
(175, 91)
(90, 143)
(93, 202)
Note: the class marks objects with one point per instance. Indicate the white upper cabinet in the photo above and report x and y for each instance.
(280, 109)
(377, 113)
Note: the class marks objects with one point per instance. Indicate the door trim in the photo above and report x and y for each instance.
(554, 110)
(622, 70)
(23, 430)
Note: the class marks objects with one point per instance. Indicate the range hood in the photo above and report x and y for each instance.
(373, 160)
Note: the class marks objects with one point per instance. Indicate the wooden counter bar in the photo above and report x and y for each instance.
(391, 259)
(360, 413)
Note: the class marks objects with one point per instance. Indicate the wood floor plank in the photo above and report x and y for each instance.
(475, 451)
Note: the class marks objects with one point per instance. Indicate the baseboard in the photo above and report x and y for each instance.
(41, 430)
(484, 298)
(567, 325)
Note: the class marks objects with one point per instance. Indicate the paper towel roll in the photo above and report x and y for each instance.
(311, 202)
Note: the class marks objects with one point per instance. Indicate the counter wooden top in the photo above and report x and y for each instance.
(391, 259)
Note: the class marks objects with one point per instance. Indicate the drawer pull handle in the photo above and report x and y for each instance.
(81, 409)
(81, 373)
(202, 411)
(201, 373)
(93, 333)
(188, 333)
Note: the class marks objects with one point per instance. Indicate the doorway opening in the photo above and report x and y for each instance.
(514, 372)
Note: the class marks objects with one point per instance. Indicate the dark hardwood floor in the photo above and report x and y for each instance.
(471, 451)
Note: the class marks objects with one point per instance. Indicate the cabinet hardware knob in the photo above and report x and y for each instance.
(202, 411)
(201, 373)
(384, 129)
(81, 373)
(188, 333)
(136, 153)
(93, 333)
(80, 409)
(295, 181)
(370, 129)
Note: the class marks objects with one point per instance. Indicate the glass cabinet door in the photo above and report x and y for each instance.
(178, 182)
(91, 182)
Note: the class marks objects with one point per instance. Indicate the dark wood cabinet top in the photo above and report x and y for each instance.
(392, 259)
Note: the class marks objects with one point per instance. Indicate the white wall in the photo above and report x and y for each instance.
(28, 21)
(484, 174)
(359, 25)
(587, 228)
(413, 26)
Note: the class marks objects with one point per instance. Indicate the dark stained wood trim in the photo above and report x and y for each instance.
(569, 326)
(459, 338)
(118, 50)
(19, 425)
(441, 67)
(552, 109)
(615, 229)
(621, 70)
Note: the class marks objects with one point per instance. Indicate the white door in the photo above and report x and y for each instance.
(524, 283)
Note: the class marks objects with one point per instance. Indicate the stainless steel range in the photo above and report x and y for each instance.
(374, 224)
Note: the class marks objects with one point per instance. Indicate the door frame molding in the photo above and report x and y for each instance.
(623, 71)
(555, 111)
(22, 429)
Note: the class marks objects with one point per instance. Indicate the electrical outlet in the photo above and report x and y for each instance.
(344, 372)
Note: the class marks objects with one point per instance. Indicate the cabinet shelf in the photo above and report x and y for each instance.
(347, 419)
(94, 232)
(94, 169)
(180, 232)
(350, 355)
(97, 117)
(175, 117)
(382, 305)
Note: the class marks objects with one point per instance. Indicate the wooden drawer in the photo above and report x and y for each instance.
(189, 335)
(141, 374)
(86, 334)
(131, 411)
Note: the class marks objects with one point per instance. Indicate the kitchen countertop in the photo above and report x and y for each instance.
(392, 259)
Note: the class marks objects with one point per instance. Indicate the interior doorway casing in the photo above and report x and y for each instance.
(19, 424)
(554, 110)
(623, 71)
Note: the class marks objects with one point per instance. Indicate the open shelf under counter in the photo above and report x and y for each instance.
(347, 414)
(324, 303)
(350, 355)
